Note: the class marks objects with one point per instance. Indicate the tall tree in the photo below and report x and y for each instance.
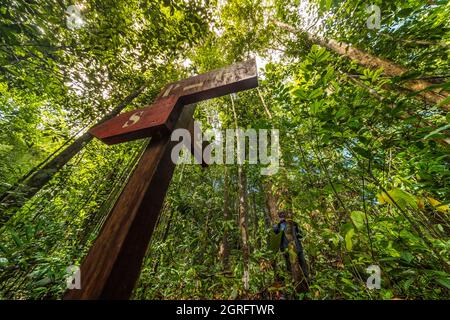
(224, 250)
(242, 204)
(391, 69)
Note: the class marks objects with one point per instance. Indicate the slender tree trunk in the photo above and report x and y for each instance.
(203, 254)
(243, 226)
(272, 219)
(224, 251)
(365, 59)
(255, 218)
(35, 182)
(271, 203)
(267, 219)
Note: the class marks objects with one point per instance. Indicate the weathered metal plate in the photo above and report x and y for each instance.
(237, 77)
(157, 119)
(137, 124)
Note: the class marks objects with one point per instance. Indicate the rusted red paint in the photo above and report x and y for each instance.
(153, 120)
(158, 119)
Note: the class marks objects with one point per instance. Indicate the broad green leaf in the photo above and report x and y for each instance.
(358, 219)
(402, 198)
(348, 239)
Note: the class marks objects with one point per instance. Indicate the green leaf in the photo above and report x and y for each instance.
(348, 239)
(16, 239)
(349, 282)
(407, 256)
(358, 219)
(315, 107)
(342, 112)
(315, 93)
(29, 232)
(443, 102)
(447, 126)
(43, 282)
(402, 198)
(443, 282)
(387, 294)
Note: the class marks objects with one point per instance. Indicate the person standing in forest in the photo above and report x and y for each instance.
(282, 226)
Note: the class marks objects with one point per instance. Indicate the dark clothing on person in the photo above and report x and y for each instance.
(284, 243)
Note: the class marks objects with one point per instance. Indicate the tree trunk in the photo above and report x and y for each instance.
(36, 181)
(367, 60)
(271, 203)
(255, 219)
(243, 227)
(224, 251)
